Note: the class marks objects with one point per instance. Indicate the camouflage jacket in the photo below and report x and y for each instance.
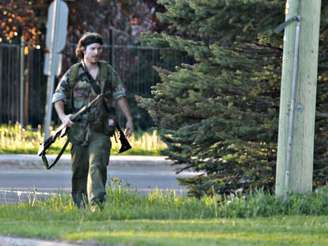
(75, 94)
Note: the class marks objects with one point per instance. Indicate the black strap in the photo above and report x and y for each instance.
(45, 160)
(92, 81)
(96, 88)
(94, 84)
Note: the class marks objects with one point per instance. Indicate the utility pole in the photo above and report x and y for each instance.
(298, 97)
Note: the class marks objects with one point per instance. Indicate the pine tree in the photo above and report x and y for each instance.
(219, 113)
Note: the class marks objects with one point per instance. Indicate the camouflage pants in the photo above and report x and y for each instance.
(89, 167)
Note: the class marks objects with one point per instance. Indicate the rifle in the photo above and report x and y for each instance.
(62, 131)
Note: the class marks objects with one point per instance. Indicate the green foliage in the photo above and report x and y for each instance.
(132, 218)
(264, 204)
(219, 113)
(125, 203)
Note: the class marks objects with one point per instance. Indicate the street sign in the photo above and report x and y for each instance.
(56, 36)
(57, 26)
(53, 67)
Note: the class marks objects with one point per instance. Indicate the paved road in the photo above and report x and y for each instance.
(23, 184)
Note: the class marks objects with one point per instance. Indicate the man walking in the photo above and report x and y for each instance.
(90, 134)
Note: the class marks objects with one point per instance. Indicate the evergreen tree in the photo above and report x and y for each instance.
(219, 113)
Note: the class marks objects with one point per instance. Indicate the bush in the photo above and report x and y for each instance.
(219, 113)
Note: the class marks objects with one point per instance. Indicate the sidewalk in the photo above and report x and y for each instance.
(34, 161)
(16, 241)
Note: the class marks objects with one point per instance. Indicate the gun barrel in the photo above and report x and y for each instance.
(86, 107)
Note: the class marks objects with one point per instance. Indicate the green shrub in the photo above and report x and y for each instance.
(219, 113)
(125, 204)
(264, 204)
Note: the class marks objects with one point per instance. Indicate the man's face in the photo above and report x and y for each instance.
(93, 53)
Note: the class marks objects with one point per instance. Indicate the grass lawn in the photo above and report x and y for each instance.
(290, 230)
(166, 219)
(15, 139)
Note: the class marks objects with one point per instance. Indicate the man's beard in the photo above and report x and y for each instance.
(93, 60)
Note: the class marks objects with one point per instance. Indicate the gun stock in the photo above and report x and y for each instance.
(125, 145)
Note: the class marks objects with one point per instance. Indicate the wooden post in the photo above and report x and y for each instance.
(21, 84)
(295, 167)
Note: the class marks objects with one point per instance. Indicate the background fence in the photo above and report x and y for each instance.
(23, 85)
(9, 82)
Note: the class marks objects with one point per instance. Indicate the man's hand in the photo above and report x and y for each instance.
(65, 119)
(122, 102)
(128, 128)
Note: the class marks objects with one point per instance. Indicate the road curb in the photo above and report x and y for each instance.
(33, 161)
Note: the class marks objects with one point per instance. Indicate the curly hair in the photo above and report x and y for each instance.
(85, 40)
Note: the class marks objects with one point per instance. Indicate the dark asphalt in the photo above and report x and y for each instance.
(31, 181)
